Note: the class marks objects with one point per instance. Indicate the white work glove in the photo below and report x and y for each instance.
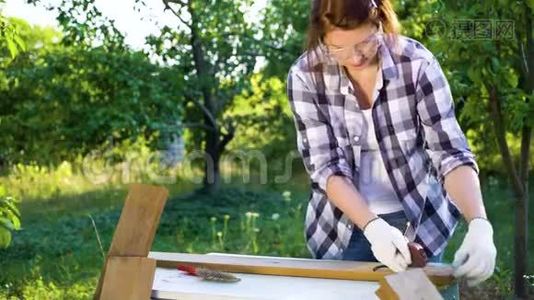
(475, 259)
(388, 244)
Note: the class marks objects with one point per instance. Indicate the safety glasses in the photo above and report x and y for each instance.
(358, 51)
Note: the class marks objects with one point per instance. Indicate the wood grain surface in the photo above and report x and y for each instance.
(438, 273)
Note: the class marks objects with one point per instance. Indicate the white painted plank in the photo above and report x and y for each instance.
(175, 284)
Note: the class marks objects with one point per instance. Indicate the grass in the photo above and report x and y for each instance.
(57, 254)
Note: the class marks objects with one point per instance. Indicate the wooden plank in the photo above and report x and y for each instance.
(385, 292)
(139, 220)
(128, 278)
(137, 224)
(175, 284)
(439, 274)
(408, 285)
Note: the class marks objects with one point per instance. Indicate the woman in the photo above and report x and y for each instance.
(377, 132)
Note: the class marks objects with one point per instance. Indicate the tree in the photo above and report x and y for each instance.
(264, 123)
(92, 87)
(9, 213)
(491, 63)
(214, 50)
(283, 30)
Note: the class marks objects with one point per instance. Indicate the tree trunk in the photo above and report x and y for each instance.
(212, 175)
(519, 179)
(521, 237)
(211, 181)
(520, 247)
(215, 140)
(521, 240)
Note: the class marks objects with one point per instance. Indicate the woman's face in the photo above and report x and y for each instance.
(353, 48)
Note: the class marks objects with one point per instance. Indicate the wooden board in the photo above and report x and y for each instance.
(385, 292)
(175, 284)
(139, 220)
(137, 224)
(128, 278)
(439, 274)
(408, 285)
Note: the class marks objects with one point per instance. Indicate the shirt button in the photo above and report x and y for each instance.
(356, 138)
(349, 226)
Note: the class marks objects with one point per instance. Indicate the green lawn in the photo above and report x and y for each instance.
(57, 254)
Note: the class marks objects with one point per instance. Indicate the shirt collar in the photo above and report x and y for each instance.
(389, 67)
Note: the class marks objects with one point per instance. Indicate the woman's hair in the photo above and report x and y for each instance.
(348, 14)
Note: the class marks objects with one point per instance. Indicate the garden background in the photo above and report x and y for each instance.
(201, 108)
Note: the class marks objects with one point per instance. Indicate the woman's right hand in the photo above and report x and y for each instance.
(388, 244)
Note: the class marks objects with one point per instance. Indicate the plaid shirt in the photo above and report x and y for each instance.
(418, 135)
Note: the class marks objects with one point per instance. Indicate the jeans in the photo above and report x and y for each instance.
(359, 248)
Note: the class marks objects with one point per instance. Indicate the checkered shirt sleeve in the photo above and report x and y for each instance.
(446, 143)
(316, 142)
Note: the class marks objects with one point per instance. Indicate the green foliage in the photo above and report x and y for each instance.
(474, 61)
(9, 213)
(10, 39)
(9, 217)
(35, 37)
(84, 26)
(90, 96)
(264, 118)
(219, 66)
(283, 31)
(108, 165)
(57, 254)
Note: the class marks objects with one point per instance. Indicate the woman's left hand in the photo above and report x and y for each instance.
(475, 259)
